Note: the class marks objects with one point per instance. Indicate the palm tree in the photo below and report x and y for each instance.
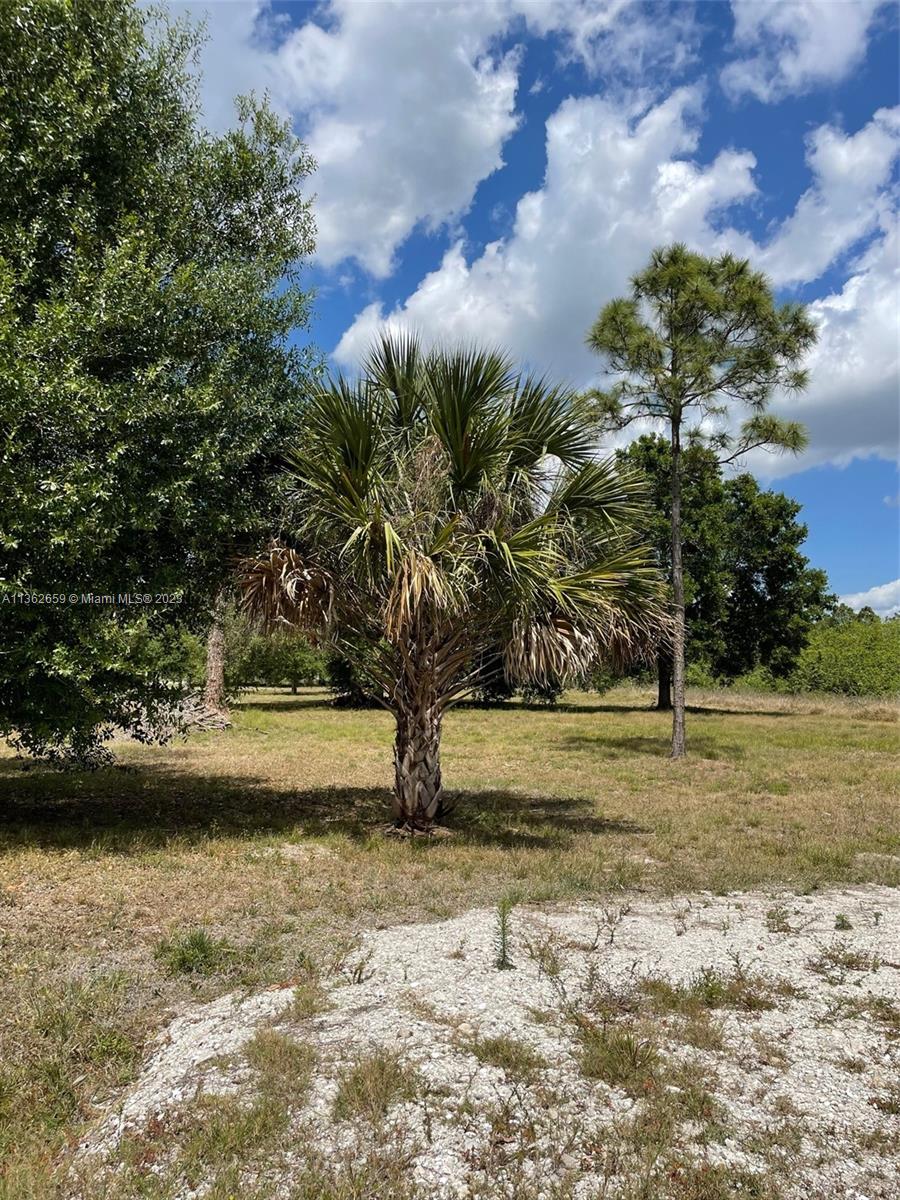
(444, 504)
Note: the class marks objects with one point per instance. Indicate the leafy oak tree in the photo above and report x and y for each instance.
(149, 285)
(774, 597)
(696, 336)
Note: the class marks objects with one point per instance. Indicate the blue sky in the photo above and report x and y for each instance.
(497, 170)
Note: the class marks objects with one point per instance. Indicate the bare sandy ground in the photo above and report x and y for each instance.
(809, 1088)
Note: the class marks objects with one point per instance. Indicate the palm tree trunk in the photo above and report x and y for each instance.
(419, 794)
(214, 690)
(678, 696)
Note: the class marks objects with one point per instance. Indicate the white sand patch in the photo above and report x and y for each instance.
(817, 1065)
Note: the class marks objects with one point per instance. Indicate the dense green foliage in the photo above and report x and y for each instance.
(751, 596)
(282, 658)
(853, 654)
(148, 288)
(774, 595)
(704, 534)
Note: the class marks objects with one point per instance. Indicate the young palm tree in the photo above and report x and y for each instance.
(444, 504)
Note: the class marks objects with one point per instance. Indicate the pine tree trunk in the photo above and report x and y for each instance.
(678, 697)
(419, 795)
(664, 673)
(214, 690)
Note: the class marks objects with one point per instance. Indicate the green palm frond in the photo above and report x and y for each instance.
(546, 420)
(467, 395)
(394, 368)
(444, 503)
(600, 493)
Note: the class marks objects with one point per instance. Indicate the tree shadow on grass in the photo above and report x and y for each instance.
(282, 704)
(608, 746)
(127, 811)
(276, 702)
(592, 709)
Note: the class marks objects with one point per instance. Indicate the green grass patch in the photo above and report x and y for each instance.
(513, 1056)
(371, 1084)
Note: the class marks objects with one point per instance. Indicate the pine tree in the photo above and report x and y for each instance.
(696, 336)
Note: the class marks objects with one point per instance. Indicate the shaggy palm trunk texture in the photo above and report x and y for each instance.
(419, 794)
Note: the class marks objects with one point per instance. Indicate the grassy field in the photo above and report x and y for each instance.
(236, 859)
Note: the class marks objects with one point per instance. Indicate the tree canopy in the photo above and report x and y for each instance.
(445, 504)
(149, 288)
(696, 336)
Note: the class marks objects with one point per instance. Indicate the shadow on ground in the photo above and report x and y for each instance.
(697, 710)
(279, 702)
(606, 745)
(121, 810)
(282, 702)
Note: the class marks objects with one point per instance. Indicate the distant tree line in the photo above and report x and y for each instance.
(849, 653)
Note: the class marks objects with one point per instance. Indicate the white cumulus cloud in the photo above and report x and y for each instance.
(883, 599)
(617, 182)
(849, 197)
(791, 46)
(407, 106)
(852, 405)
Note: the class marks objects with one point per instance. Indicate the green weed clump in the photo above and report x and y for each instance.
(503, 962)
(194, 953)
(371, 1084)
(511, 1055)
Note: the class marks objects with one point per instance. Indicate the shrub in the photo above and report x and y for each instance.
(700, 674)
(602, 679)
(281, 658)
(857, 657)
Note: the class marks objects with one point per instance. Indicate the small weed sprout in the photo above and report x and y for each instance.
(835, 961)
(544, 950)
(360, 971)
(778, 919)
(611, 920)
(502, 936)
(842, 922)
(680, 912)
(888, 1102)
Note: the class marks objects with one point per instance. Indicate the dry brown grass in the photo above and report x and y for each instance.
(268, 838)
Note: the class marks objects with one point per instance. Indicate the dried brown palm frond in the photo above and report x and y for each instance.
(281, 588)
(626, 640)
(419, 586)
(543, 651)
(557, 649)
